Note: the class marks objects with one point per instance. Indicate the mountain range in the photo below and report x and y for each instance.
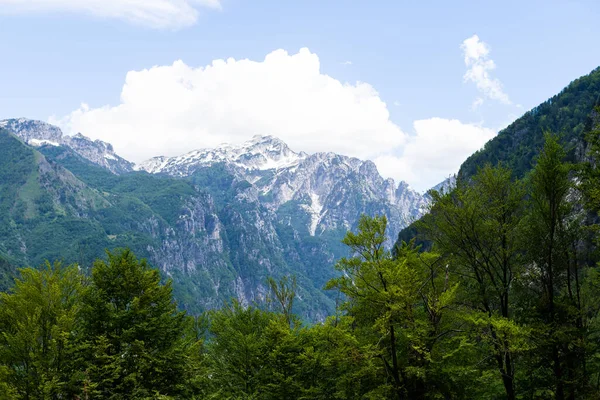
(217, 221)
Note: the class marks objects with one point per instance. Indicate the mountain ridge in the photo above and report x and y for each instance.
(39, 133)
(218, 230)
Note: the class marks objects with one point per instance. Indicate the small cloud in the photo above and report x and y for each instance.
(477, 103)
(479, 67)
(397, 103)
(347, 63)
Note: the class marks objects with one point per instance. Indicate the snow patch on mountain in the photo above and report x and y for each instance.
(332, 189)
(314, 209)
(259, 153)
(42, 142)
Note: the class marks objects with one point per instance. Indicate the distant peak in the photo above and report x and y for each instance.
(260, 139)
(261, 152)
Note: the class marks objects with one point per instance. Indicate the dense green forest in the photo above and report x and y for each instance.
(566, 114)
(503, 305)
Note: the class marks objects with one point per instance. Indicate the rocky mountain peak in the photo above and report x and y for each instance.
(39, 133)
(258, 153)
(33, 132)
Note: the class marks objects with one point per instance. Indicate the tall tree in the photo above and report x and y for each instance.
(401, 304)
(138, 346)
(550, 185)
(589, 175)
(554, 232)
(38, 320)
(477, 226)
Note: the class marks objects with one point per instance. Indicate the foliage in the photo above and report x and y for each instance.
(138, 344)
(38, 321)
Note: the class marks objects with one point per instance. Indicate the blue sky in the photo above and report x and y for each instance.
(58, 56)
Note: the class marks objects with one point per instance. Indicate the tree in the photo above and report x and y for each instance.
(283, 293)
(237, 351)
(477, 226)
(139, 345)
(333, 364)
(554, 232)
(401, 306)
(589, 175)
(38, 344)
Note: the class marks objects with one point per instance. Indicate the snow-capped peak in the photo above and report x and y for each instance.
(258, 153)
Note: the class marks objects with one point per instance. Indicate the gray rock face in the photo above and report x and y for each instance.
(331, 190)
(285, 213)
(38, 133)
(233, 215)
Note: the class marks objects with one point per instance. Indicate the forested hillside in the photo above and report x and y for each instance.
(565, 114)
(568, 114)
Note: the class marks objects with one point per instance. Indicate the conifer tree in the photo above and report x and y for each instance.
(138, 344)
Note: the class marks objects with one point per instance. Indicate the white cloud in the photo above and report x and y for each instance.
(153, 13)
(477, 103)
(435, 152)
(479, 66)
(347, 63)
(176, 108)
(170, 110)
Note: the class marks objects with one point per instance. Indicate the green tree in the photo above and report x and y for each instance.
(283, 293)
(401, 305)
(556, 273)
(38, 343)
(478, 227)
(590, 286)
(139, 345)
(237, 351)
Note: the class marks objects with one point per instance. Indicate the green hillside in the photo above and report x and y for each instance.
(565, 114)
(199, 231)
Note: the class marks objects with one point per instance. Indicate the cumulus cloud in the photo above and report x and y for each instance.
(173, 109)
(479, 65)
(436, 151)
(169, 14)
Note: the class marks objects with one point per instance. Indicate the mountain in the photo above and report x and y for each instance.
(260, 153)
(331, 189)
(568, 114)
(38, 133)
(216, 221)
